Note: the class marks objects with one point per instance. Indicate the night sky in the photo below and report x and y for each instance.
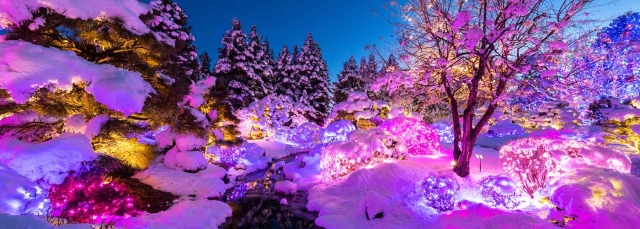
(341, 27)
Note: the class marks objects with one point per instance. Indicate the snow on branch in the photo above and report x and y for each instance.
(26, 67)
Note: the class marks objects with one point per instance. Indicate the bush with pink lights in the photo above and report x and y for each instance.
(440, 192)
(500, 190)
(91, 198)
(530, 161)
(420, 138)
(362, 148)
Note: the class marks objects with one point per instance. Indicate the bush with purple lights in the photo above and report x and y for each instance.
(530, 160)
(91, 198)
(420, 138)
(439, 192)
(500, 190)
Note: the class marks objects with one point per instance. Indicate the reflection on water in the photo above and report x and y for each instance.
(256, 205)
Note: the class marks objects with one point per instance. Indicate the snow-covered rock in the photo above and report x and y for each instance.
(185, 160)
(48, 162)
(286, 187)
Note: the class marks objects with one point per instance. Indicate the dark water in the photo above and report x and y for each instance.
(256, 205)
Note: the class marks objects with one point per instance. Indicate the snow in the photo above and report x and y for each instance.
(337, 131)
(185, 142)
(165, 138)
(95, 124)
(16, 11)
(286, 187)
(48, 162)
(76, 124)
(374, 205)
(622, 114)
(198, 90)
(596, 198)
(34, 222)
(306, 174)
(284, 201)
(203, 184)
(188, 214)
(18, 195)
(185, 160)
(26, 67)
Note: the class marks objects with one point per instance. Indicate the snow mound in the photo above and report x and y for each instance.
(203, 184)
(189, 142)
(196, 214)
(599, 156)
(595, 198)
(95, 125)
(48, 162)
(15, 11)
(305, 171)
(26, 67)
(185, 160)
(286, 187)
(337, 131)
(18, 195)
(374, 205)
(165, 138)
(34, 222)
(479, 216)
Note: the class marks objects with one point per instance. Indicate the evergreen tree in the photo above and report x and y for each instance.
(270, 80)
(390, 65)
(261, 64)
(286, 81)
(349, 80)
(314, 80)
(205, 64)
(372, 68)
(364, 69)
(235, 67)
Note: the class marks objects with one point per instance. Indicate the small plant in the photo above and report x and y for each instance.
(500, 190)
(439, 192)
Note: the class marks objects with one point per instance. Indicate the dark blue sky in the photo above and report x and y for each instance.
(341, 27)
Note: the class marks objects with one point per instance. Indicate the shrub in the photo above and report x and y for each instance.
(420, 138)
(439, 192)
(500, 190)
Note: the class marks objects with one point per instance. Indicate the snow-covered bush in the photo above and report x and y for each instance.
(264, 117)
(420, 138)
(500, 190)
(47, 162)
(440, 192)
(530, 161)
(374, 205)
(306, 135)
(595, 198)
(337, 131)
(191, 161)
(229, 156)
(362, 148)
(19, 195)
(360, 110)
(29, 126)
(620, 130)
(554, 114)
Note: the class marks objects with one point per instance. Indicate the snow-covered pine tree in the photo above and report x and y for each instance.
(205, 64)
(261, 64)
(235, 67)
(314, 80)
(284, 70)
(117, 82)
(349, 80)
(372, 67)
(270, 80)
(391, 65)
(363, 69)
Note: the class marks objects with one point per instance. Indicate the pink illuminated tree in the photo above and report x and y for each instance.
(474, 49)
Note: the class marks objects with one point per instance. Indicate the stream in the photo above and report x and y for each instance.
(255, 204)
